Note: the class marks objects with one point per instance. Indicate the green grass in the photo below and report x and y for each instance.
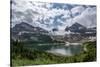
(22, 56)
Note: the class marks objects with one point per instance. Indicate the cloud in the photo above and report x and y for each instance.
(51, 15)
(77, 10)
(87, 17)
(33, 12)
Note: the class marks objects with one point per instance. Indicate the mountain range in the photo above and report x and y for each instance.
(27, 32)
(28, 28)
(78, 28)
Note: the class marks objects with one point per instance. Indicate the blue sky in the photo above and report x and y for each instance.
(52, 15)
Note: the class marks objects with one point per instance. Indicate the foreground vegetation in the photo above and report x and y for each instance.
(22, 56)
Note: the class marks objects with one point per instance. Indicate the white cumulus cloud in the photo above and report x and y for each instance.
(40, 14)
(87, 17)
